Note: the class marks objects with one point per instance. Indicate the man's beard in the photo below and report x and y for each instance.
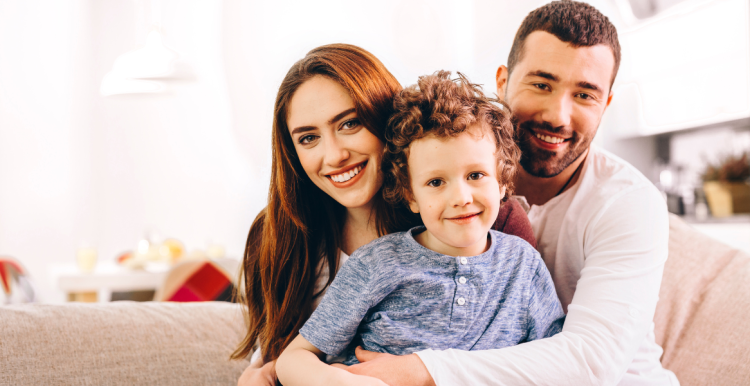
(546, 163)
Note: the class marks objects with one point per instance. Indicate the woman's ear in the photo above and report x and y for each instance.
(502, 192)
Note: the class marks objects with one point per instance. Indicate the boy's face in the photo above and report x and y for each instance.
(455, 189)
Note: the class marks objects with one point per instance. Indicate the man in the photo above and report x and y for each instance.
(601, 226)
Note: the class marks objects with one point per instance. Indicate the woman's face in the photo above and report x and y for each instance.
(338, 153)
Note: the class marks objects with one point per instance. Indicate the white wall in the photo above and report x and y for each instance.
(77, 168)
(46, 126)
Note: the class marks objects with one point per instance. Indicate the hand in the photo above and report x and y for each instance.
(264, 376)
(395, 370)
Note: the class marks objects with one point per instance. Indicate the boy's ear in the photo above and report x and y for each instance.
(413, 206)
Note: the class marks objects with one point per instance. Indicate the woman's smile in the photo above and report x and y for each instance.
(347, 176)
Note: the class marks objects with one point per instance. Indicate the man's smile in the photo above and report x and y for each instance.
(548, 141)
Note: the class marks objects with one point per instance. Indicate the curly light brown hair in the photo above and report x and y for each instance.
(443, 107)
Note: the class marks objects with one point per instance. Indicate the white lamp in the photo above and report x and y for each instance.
(145, 69)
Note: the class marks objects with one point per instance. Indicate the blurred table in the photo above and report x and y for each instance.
(108, 278)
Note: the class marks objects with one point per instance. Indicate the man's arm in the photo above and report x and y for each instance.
(608, 318)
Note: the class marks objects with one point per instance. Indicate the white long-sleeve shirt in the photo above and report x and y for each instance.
(604, 241)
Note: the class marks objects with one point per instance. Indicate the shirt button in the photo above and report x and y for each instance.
(462, 280)
(463, 260)
(461, 301)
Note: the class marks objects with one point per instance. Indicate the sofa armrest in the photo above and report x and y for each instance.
(701, 320)
(121, 343)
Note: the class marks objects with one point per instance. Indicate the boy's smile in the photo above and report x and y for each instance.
(455, 190)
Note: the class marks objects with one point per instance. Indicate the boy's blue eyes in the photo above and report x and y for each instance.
(471, 177)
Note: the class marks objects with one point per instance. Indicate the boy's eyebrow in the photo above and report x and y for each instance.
(335, 118)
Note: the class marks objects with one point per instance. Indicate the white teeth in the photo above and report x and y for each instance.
(549, 139)
(346, 176)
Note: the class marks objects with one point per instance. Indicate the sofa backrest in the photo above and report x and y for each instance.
(703, 317)
(120, 343)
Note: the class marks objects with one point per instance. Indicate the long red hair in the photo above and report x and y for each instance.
(301, 224)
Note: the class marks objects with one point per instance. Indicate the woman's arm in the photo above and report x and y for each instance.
(258, 374)
(300, 365)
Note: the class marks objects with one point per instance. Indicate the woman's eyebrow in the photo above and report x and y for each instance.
(335, 118)
(341, 115)
(302, 129)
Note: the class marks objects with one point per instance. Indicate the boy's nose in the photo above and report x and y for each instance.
(462, 195)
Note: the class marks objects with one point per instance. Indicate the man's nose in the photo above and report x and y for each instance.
(335, 153)
(558, 109)
(461, 195)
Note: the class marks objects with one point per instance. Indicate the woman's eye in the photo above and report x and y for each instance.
(435, 183)
(476, 175)
(350, 124)
(304, 140)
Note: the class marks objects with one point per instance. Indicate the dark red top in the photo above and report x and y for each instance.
(512, 220)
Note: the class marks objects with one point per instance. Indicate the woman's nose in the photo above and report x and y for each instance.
(335, 153)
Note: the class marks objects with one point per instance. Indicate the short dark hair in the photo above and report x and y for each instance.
(573, 22)
(444, 107)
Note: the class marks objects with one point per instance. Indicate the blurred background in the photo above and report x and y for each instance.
(136, 133)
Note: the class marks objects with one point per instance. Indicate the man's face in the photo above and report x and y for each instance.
(558, 94)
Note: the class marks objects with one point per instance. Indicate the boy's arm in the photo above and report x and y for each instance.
(300, 364)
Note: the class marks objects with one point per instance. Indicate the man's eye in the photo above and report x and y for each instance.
(304, 140)
(476, 175)
(350, 124)
(541, 86)
(584, 96)
(435, 183)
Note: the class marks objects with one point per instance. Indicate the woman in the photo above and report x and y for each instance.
(325, 196)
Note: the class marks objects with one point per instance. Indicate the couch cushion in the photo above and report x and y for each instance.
(703, 316)
(120, 343)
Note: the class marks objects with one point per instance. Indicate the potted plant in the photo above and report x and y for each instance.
(726, 186)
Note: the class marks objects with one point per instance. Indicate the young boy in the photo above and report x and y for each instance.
(452, 283)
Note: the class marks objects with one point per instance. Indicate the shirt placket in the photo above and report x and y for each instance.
(462, 298)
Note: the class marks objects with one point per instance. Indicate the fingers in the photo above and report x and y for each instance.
(340, 366)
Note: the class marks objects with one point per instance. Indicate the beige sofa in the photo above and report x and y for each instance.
(702, 321)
